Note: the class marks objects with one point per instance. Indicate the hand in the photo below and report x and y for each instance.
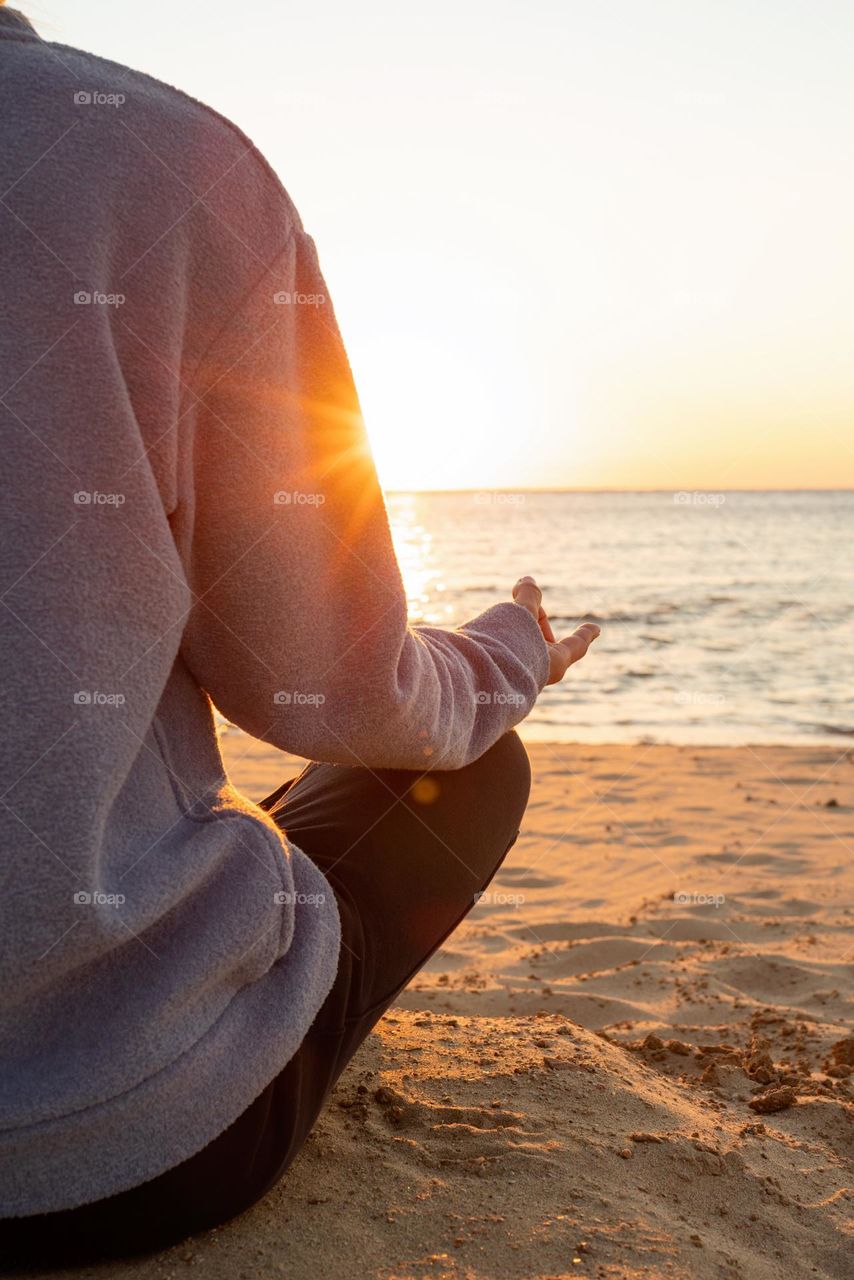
(562, 653)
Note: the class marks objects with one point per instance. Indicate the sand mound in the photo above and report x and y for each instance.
(530, 1147)
(634, 1059)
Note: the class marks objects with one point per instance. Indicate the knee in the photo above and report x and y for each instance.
(501, 782)
(510, 768)
(498, 795)
(482, 803)
(475, 812)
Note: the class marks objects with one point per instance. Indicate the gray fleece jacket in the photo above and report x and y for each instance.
(190, 518)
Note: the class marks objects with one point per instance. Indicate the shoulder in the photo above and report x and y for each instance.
(194, 139)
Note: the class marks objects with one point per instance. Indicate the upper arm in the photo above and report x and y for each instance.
(290, 560)
(298, 629)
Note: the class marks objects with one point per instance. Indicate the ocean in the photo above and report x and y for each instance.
(726, 617)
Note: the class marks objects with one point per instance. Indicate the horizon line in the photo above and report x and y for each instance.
(597, 489)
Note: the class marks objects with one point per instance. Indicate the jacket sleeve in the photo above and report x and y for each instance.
(298, 625)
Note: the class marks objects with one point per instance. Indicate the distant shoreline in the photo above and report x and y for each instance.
(581, 489)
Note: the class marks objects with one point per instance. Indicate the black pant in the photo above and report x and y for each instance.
(406, 855)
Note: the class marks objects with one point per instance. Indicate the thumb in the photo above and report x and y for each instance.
(528, 595)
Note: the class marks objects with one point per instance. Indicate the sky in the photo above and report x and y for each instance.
(570, 244)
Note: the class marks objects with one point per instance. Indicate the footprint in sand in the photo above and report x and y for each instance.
(409, 1113)
(474, 1138)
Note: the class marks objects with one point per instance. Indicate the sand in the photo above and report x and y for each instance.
(631, 1060)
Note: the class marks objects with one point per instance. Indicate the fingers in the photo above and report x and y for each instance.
(545, 625)
(565, 652)
(529, 596)
(576, 645)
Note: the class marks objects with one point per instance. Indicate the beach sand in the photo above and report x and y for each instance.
(583, 1081)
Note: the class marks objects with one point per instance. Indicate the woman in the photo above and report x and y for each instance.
(191, 517)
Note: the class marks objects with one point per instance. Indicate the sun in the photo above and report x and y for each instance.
(446, 402)
(443, 431)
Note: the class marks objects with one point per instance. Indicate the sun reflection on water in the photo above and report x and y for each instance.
(418, 557)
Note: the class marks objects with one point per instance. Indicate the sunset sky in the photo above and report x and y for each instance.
(569, 244)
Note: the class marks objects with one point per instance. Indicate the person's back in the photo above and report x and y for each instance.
(190, 514)
(138, 889)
